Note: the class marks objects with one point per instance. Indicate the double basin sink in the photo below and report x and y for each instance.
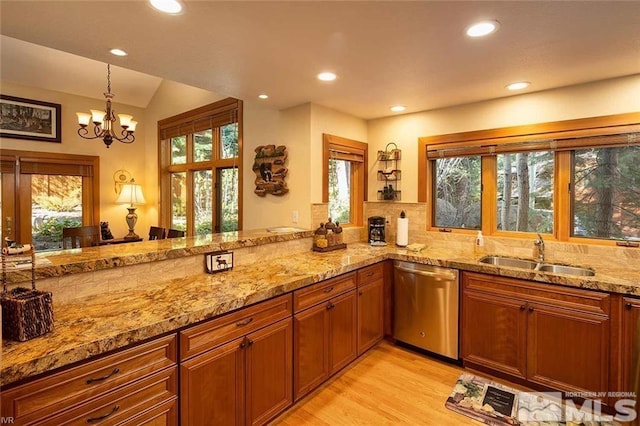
(536, 266)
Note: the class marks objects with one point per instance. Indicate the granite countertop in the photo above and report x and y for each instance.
(63, 262)
(101, 323)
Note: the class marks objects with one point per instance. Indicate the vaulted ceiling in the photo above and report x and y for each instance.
(384, 52)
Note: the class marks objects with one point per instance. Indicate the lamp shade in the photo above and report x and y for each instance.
(131, 193)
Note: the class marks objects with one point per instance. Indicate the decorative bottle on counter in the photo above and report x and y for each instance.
(320, 237)
(338, 234)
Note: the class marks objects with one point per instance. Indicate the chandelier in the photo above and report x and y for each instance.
(104, 122)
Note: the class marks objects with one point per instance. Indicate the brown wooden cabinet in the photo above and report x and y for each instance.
(118, 388)
(370, 306)
(237, 369)
(630, 342)
(324, 331)
(551, 337)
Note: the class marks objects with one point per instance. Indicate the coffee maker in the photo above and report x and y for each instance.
(376, 231)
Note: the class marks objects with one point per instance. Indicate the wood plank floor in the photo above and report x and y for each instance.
(388, 385)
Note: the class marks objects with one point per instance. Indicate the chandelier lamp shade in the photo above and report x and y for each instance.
(131, 194)
(104, 122)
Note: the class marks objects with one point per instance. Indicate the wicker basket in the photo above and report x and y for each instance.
(26, 313)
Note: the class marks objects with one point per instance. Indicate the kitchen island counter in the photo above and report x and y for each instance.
(100, 323)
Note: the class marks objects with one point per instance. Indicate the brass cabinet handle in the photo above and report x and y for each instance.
(328, 290)
(104, 416)
(245, 322)
(99, 379)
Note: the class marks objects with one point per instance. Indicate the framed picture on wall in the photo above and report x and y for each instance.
(29, 119)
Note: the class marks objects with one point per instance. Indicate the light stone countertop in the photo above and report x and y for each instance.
(97, 324)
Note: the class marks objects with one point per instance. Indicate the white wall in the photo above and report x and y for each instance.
(615, 96)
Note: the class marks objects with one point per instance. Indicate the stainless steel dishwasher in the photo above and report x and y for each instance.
(426, 307)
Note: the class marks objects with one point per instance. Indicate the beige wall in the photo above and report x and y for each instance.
(132, 157)
(300, 129)
(608, 97)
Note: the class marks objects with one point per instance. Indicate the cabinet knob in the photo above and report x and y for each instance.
(530, 308)
(104, 416)
(249, 342)
(99, 379)
(360, 293)
(243, 344)
(330, 306)
(523, 307)
(628, 305)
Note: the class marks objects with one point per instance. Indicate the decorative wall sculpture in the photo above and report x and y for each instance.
(270, 170)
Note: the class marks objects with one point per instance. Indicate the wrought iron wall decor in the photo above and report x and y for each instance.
(270, 170)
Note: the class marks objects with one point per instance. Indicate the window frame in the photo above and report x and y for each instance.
(355, 152)
(19, 165)
(521, 139)
(217, 114)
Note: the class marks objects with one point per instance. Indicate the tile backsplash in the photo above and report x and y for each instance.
(574, 253)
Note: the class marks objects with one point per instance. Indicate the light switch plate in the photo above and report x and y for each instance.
(218, 261)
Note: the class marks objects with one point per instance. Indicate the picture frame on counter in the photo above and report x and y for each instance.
(30, 119)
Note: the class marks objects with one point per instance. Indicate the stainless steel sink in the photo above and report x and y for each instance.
(569, 270)
(512, 262)
(509, 262)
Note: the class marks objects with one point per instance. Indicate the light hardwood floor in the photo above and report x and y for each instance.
(388, 385)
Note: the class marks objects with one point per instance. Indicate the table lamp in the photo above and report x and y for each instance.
(131, 193)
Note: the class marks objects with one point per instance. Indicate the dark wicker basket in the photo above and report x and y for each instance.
(26, 313)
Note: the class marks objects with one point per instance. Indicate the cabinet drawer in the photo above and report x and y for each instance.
(322, 291)
(123, 404)
(370, 274)
(77, 385)
(591, 301)
(200, 338)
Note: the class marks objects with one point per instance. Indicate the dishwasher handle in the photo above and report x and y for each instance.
(446, 276)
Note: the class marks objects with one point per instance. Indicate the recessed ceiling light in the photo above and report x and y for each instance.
(483, 28)
(118, 52)
(398, 108)
(167, 6)
(518, 85)
(263, 96)
(326, 76)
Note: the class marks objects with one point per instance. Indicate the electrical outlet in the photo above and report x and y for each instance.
(294, 216)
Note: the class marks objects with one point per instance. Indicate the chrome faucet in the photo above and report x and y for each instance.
(539, 243)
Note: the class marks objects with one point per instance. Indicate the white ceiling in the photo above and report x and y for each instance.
(384, 52)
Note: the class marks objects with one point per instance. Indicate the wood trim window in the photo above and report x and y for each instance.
(200, 169)
(350, 179)
(567, 151)
(49, 173)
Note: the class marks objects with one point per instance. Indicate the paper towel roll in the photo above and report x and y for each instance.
(402, 233)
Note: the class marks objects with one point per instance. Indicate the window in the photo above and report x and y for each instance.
(43, 193)
(457, 194)
(606, 193)
(344, 178)
(574, 180)
(525, 192)
(200, 158)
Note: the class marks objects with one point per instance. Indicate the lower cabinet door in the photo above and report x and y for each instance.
(630, 342)
(342, 331)
(269, 372)
(370, 315)
(567, 350)
(212, 387)
(494, 332)
(310, 349)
